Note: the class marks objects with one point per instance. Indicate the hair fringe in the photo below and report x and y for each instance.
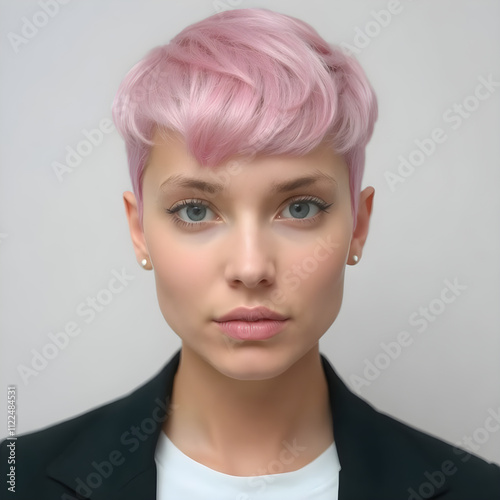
(243, 82)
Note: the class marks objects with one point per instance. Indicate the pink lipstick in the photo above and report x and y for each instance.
(258, 323)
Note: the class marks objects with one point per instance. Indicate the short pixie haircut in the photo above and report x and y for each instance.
(246, 82)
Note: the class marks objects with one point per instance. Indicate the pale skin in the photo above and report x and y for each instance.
(237, 401)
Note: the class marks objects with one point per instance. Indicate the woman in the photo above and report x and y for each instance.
(245, 138)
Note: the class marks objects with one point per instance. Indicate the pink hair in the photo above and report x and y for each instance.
(243, 82)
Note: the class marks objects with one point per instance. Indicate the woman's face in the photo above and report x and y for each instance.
(246, 245)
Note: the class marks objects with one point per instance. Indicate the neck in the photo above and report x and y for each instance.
(218, 416)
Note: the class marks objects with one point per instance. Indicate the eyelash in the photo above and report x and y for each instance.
(322, 206)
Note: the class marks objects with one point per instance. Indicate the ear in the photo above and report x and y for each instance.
(136, 231)
(360, 233)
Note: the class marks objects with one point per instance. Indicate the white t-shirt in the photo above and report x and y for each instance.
(182, 478)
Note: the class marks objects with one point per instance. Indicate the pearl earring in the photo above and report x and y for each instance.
(355, 258)
(144, 262)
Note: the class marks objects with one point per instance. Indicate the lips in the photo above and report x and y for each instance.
(262, 329)
(253, 314)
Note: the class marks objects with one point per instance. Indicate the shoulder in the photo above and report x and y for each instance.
(465, 473)
(398, 460)
(437, 466)
(50, 462)
(29, 455)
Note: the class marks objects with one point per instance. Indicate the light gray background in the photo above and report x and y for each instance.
(60, 241)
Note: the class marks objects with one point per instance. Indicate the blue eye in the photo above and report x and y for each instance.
(196, 210)
(301, 208)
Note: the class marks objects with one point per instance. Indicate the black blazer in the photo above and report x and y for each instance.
(108, 453)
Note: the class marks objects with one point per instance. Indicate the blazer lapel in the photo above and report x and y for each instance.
(378, 459)
(113, 458)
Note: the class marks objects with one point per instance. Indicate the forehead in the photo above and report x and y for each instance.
(170, 166)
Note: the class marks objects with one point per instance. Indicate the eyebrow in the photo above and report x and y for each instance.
(182, 181)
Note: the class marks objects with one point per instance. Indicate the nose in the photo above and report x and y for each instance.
(250, 259)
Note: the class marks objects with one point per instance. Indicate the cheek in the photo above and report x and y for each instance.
(181, 273)
(328, 285)
(317, 266)
(317, 273)
(312, 281)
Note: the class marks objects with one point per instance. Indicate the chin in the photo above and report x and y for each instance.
(255, 375)
(253, 361)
